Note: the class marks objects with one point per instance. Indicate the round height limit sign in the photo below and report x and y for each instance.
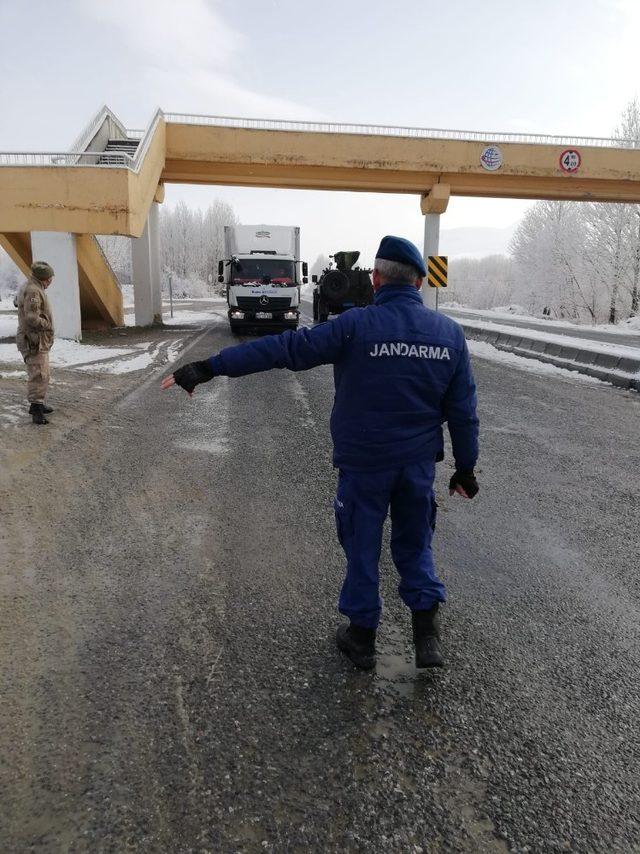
(570, 160)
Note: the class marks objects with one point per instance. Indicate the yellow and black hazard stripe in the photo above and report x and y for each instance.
(437, 266)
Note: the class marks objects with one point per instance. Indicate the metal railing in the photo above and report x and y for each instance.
(106, 260)
(117, 159)
(408, 132)
(97, 159)
(94, 125)
(145, 140)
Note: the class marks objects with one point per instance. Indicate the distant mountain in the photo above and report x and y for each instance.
(475, 242)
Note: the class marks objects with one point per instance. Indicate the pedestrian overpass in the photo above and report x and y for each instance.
(111, 181)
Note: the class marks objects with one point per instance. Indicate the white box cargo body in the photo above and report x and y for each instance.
(282, 240)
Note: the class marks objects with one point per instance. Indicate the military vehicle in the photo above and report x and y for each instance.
(341, 287)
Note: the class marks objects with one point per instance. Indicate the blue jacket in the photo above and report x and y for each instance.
(400, 371)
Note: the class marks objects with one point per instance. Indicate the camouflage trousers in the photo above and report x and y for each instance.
(37, 375)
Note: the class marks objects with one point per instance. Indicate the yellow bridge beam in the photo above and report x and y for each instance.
(116, 200)
(206, 154)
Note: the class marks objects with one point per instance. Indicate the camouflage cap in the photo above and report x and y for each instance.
(41, 270)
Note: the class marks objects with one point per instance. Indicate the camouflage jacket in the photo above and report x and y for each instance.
(35, 320)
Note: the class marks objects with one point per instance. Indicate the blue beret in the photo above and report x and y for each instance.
(403, 251)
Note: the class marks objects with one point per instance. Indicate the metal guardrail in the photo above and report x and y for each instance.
(410, 132)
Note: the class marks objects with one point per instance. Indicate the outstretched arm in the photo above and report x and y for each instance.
(297, 351)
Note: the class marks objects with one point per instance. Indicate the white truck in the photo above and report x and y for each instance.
(260, 271)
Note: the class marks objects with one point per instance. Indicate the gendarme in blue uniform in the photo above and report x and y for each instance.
(400, 371)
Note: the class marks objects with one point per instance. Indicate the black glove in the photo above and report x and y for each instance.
(465, 479)
(191, 375)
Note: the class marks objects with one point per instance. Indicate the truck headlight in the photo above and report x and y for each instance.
(290, 315)
(237, 315)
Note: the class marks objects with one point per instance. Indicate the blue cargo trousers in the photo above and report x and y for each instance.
(361, 505)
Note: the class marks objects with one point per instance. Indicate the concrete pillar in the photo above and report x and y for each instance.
(431, 244)
(145, 266)
(154, 248)
(59, 250)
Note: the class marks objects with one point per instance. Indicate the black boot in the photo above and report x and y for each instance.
(426, 637)
(37, 413)
(358, 644)
(46, 409)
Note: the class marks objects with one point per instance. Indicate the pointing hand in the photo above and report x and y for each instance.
(189, 376)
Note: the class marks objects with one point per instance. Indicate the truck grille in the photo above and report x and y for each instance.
(260, 304)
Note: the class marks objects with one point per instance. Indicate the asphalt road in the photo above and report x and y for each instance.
(586, 332)
(169, 676)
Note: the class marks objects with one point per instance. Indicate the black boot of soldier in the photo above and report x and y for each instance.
(37, 413)
(358, 644)
(46, 409)
(426, 637)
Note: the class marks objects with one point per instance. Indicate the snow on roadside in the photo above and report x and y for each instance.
(121, 366)
(66, 354)
(625, 327)
(193, 318)
(564, 340)
(8, 325)
(483, 350)
(183, 317)
(173, 351)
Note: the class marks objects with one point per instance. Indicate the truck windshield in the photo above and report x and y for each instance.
(263, 270)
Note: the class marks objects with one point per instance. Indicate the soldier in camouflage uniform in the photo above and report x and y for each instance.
(35, 336)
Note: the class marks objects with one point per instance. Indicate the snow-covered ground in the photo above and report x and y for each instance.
(184, 317)
(483, 350)
(563, 340)
(8, 324)
(625, 327)
(181, 316)
(98, 359)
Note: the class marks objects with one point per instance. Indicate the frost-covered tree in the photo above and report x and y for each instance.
(118, 252)
(480, 282)
(192, 242)
(548, 252)
(320, 264)
(10, 277)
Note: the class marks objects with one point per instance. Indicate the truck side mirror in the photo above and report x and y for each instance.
(314, 279)
(221, 278)
(305, 268)
(220, 270)
(305, 279)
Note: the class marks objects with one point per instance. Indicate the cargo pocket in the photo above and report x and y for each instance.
(344, 521)
(434, 512)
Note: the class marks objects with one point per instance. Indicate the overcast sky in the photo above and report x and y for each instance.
(543, 66)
